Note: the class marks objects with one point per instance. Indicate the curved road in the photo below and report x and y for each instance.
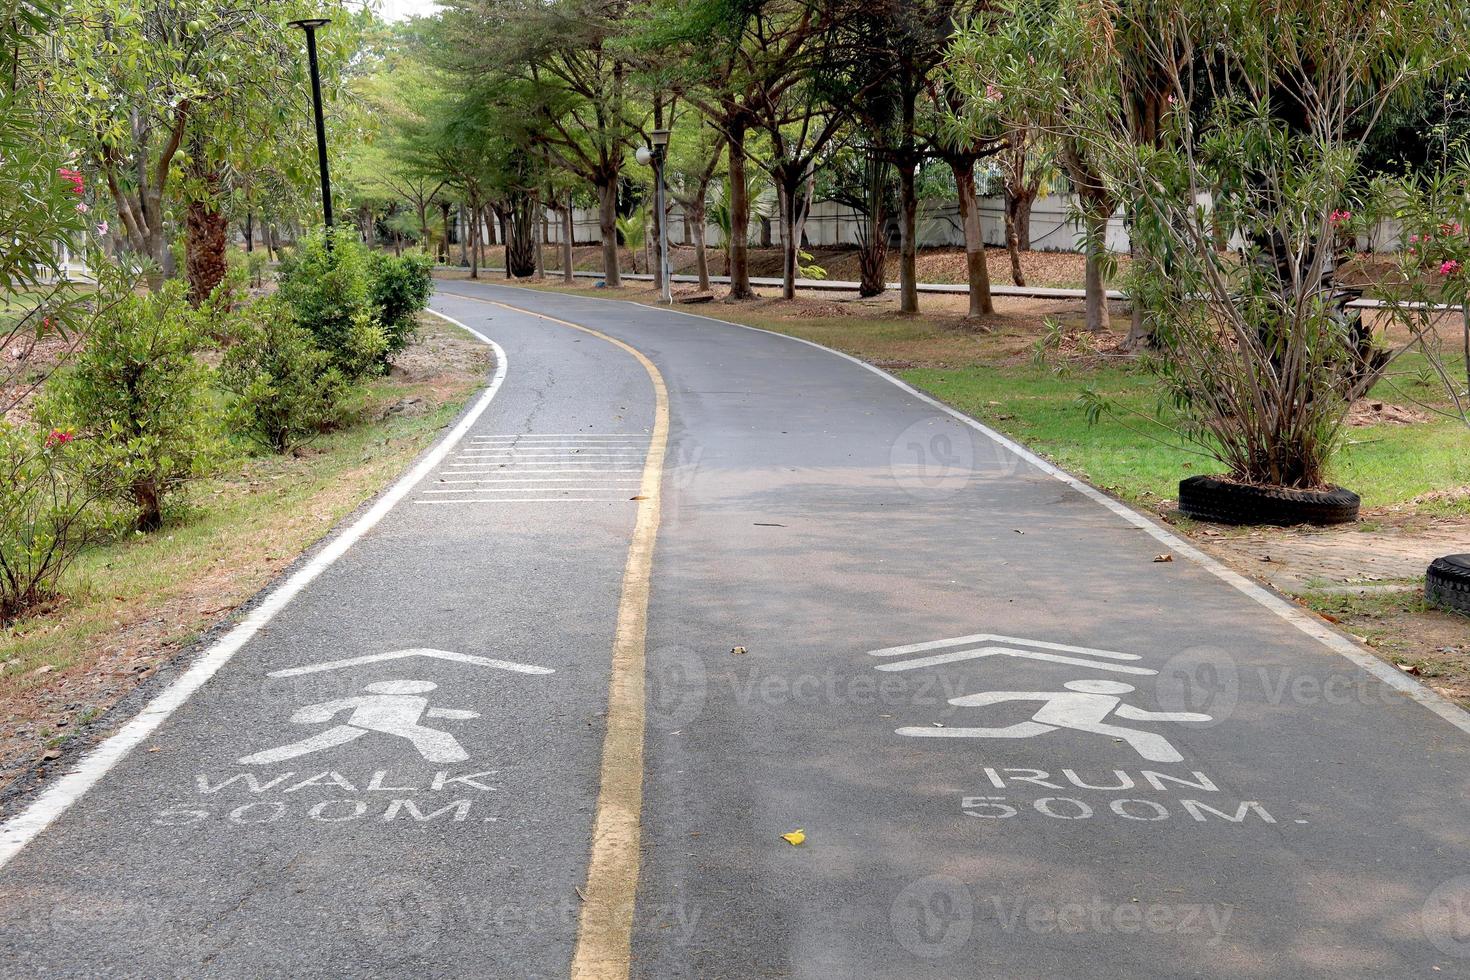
(743, 586)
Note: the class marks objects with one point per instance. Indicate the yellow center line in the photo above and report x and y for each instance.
(605, 932)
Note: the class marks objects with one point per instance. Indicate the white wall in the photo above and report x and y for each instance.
(833, 224)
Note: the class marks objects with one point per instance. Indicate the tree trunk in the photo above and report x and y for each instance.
(1023, 218)
(908, 255)
(607, 220)
(789, 244)
(464, 253)
(1013, 237)
(150, 507)
(737, 250)
(474, 230)
(568, 225)
(249, 231)
(206, 228)
(979, 274)
(1096, 218)
(695, 218)
(504, 222)
(539, 214)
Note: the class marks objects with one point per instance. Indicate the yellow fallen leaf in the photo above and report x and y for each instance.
(795, 837)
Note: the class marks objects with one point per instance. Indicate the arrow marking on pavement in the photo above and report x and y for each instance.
(975, 653)
(373, 658)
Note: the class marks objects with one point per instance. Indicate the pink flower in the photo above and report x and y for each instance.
(1413, 238)
(1339, 218)
(992, 93)
(82, 208)
(59, 437)
(102, 228)
(1449, 267)
(74, 177)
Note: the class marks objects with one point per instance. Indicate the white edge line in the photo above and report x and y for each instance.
(21, 829)
(1312, 627)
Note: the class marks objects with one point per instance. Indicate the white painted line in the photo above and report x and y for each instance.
(530, 500)
(561, 440)
(520, 489)
(548, 481)
(460, 469)
(957, 656)
(995, 637)
(502, 454)
(570, 435)
(21, 829)
(1310, 625)
(373, 658)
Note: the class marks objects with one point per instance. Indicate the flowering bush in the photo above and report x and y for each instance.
(47, 514)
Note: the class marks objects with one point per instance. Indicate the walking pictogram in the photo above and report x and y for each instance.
(1082, 707)
(390, 708)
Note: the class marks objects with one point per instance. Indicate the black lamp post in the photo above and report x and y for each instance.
(310, 26)
(656, 153)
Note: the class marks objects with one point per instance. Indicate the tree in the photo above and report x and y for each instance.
(1261, 142)
(572, 69)
(1024, 62)
(903, 44)
(153, 89)
(736, 60)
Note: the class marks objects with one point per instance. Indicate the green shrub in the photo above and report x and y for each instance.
(47, 514)
(286, 388)
(138, 393)
(327, 282)
(400, 290)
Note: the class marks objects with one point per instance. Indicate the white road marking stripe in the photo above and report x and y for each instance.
(502, 454)
(519, 489)
(988, 637)
(21, 829)
(957, 656)
(553, 480)
(462, 468)
(532, 500)
(373, 658)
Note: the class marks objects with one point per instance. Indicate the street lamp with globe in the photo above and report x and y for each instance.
(655, 153)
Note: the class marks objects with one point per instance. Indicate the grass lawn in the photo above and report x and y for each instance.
(129, 605)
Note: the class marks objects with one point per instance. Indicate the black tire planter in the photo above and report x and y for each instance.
(1209, 498)
(1447, 583)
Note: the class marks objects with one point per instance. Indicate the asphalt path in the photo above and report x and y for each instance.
(1017, 746)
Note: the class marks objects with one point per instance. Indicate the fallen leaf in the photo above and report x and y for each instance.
(737, 650)
(1330, 619)
(50, 754)
(795, 837)
(1163, 557)
(639, 497)
(155, 749)
(1408, 668)
(1018, 530)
